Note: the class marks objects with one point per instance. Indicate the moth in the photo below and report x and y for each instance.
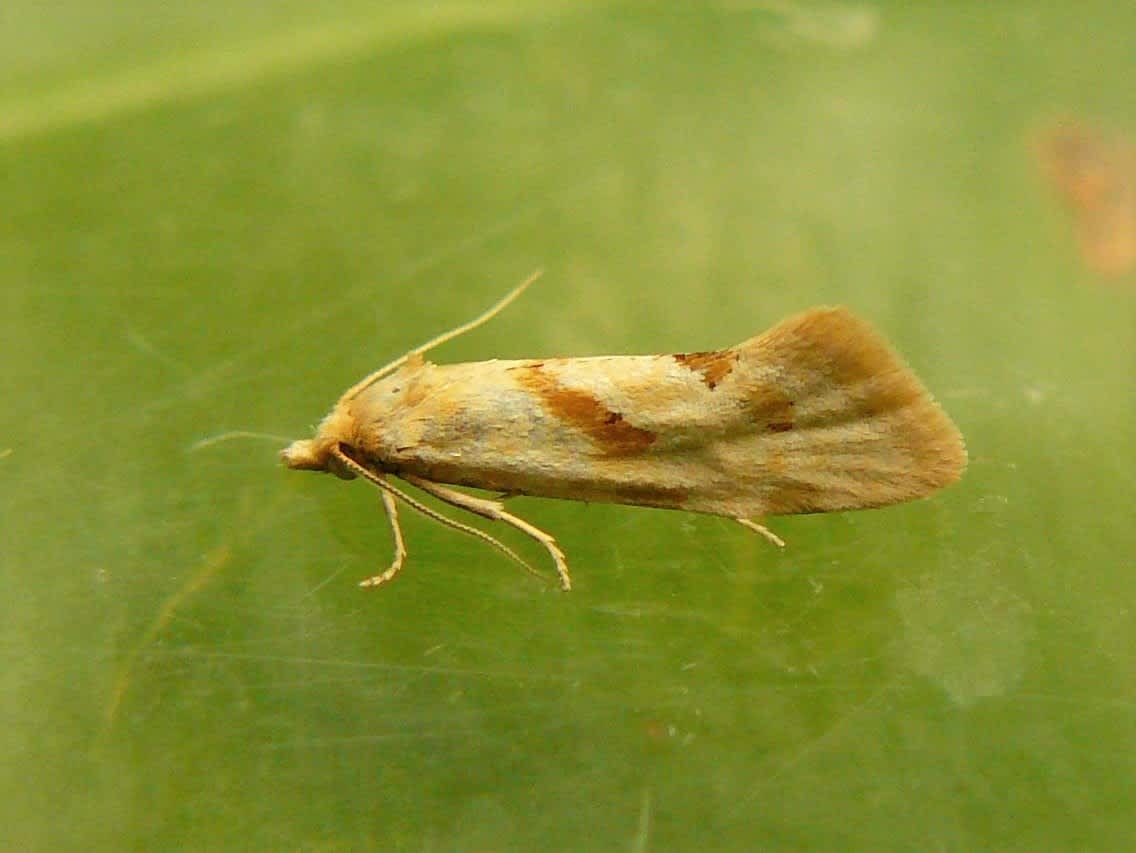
(1095, 175)
(817, 414)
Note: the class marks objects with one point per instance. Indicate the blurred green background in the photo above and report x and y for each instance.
(218, 217)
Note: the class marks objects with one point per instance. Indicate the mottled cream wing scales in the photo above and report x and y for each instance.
(608, 430)
(816, 414)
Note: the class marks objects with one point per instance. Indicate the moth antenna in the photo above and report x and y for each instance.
(391, 489)
(209, 441)
(481, 319)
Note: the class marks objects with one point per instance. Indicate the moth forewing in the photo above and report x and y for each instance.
(844, 423)
(817, 414)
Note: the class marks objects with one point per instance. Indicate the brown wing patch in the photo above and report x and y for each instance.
(829, 348)
(770, 407)
(713, 366)
(607, 429)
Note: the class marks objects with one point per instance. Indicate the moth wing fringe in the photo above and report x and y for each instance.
(862, 431)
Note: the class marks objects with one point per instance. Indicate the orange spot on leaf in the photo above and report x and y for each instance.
(1096, 178)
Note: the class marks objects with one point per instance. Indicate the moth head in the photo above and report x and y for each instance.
(336, 432)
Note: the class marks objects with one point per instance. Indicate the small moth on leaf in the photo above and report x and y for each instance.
(816, 415)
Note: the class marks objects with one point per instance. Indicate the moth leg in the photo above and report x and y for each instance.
(392, 491)
(763, 530)
(391, 506)
(495, 512)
